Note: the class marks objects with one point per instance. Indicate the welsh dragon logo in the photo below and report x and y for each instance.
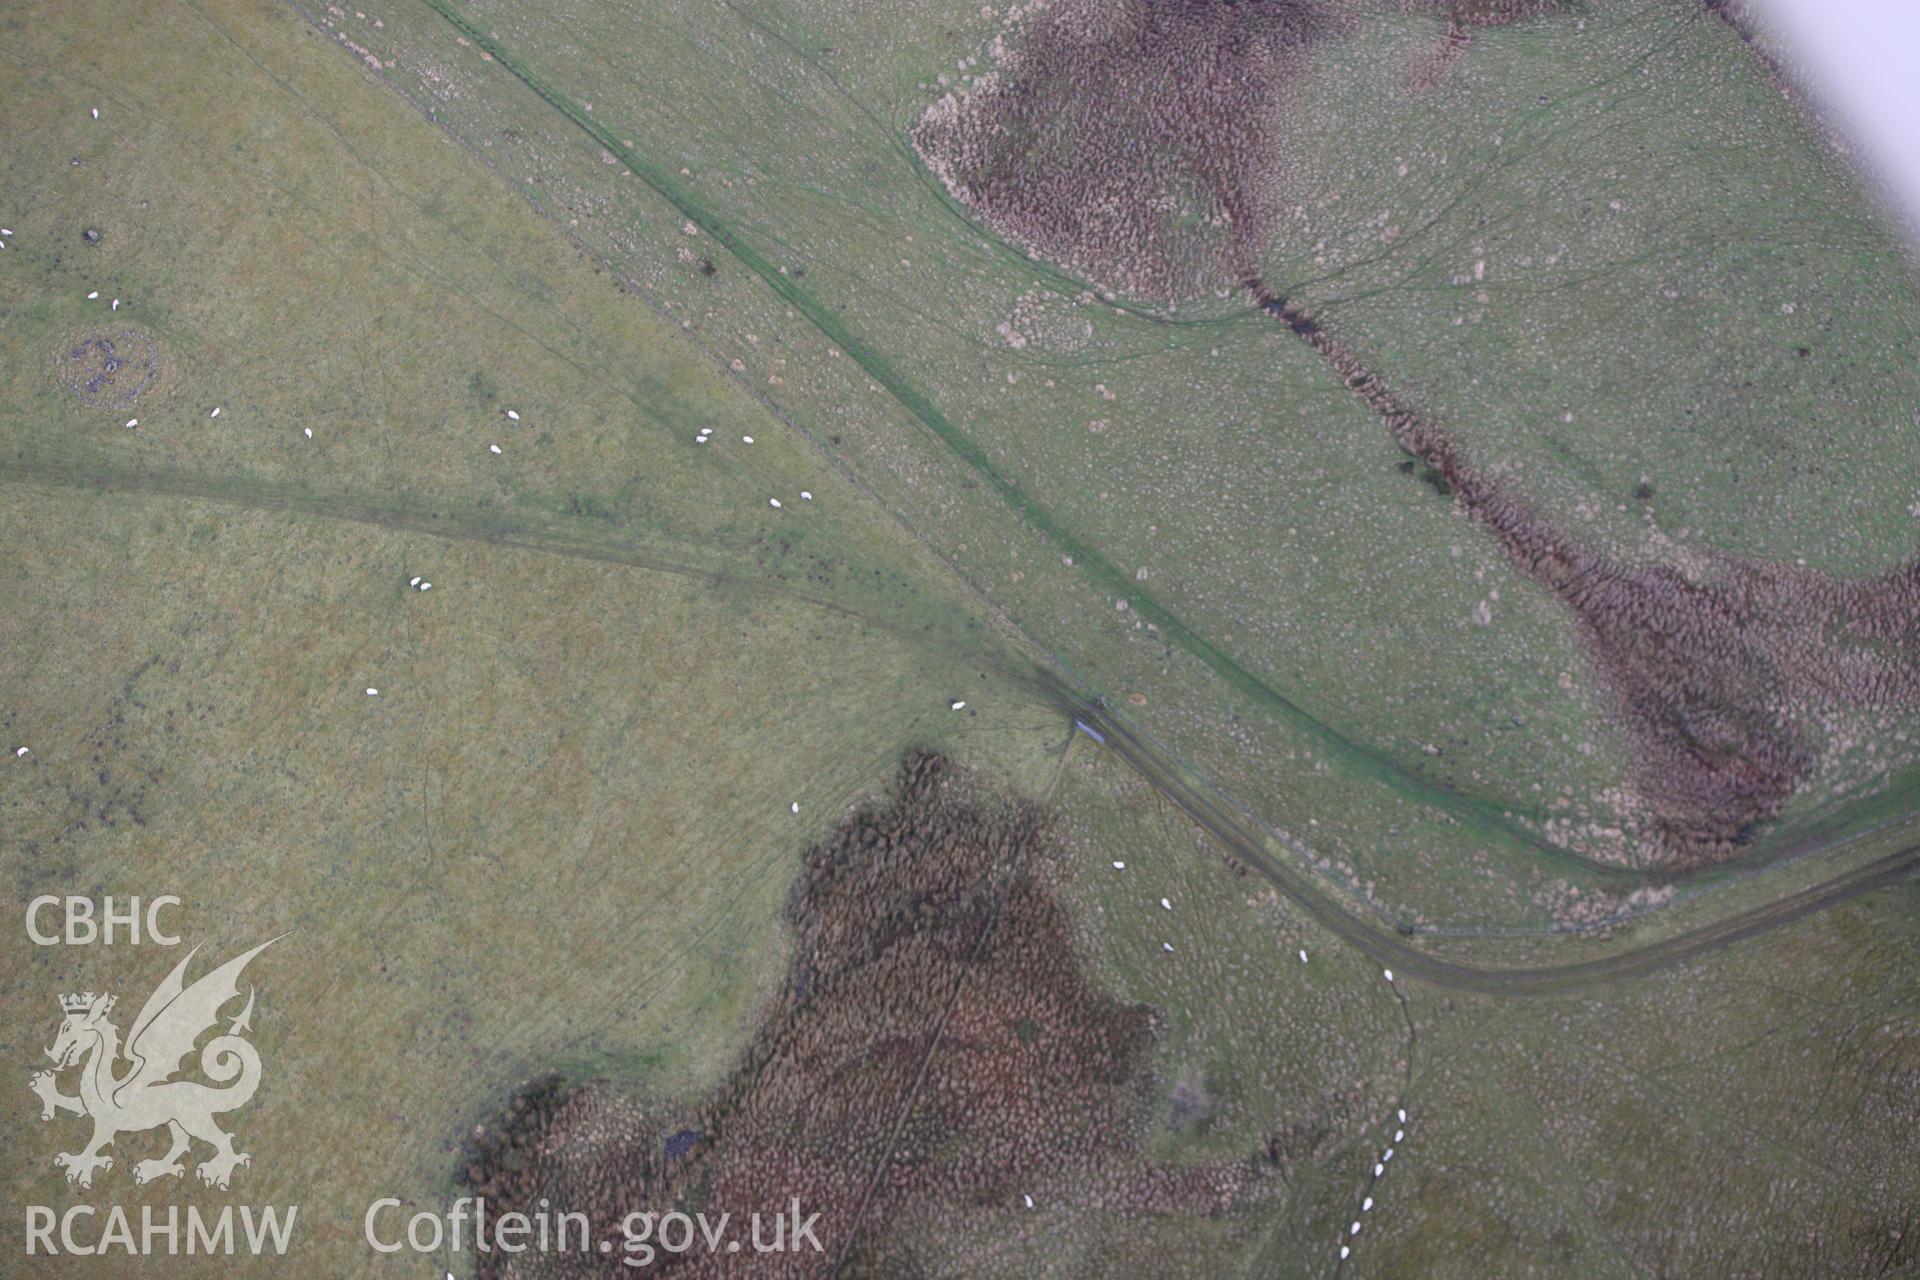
(145, 1095)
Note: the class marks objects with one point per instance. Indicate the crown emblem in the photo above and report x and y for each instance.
(77, 1003)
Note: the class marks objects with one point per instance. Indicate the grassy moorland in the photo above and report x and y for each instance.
(617, 242)
(563, 828)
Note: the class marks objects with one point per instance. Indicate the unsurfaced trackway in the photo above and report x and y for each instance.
(1214, 814)
(1247, 843)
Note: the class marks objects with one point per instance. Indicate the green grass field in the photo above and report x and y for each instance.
(1177, 504)
(1606, 249)
(561, 833)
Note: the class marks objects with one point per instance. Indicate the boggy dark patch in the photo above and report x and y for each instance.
(936, 1049)
(1136, 142)
(1139, 142)
(1128, 139)
(1721, 677)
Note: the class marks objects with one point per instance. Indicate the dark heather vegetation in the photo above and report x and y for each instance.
(1132, 141)
(1144, 145)
(936, 1047)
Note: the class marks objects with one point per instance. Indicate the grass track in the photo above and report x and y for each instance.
(1234, 833)
(1168, 776)
(1088, 559)
(438, 524)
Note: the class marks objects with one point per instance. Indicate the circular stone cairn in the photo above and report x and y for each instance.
(109, 368)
